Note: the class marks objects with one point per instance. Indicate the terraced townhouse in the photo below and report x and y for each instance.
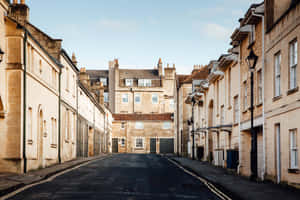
(223, 99)
(39, 98)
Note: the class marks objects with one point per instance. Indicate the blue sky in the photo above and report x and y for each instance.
(138, 32)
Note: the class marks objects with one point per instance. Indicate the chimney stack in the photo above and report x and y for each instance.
(74, 60)
(101, 94)
(19, 12)
(160, 67)
(84, 78)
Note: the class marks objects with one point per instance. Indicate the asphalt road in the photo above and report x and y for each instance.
(126, 176)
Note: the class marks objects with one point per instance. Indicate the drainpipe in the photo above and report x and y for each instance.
(59, 117)
(24, 100)
(239, 104)
(263, 93)
(77, 120)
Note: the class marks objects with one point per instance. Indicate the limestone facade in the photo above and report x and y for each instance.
(39, 98)
(282, 105)
(223, 99)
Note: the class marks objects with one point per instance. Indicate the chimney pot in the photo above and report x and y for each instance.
(82, 69)
(22, 1)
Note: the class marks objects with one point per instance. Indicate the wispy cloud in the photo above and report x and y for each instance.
(118, 24)
(213, 31)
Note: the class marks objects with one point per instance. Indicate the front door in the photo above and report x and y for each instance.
(115, 145)
(152, 145)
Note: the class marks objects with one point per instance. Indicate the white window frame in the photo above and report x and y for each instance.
(293, 61)
(172, 103)
(236, 109)
(136, 142)
(139, 97)
(106, 97)
(259, 87)
(144, 82)
(123, 140)
(293, 149)
(139, 125)
(122, 125)
(103, 80)
(129, 82)
(245, 96)
(125, 96)
(277, 74)
(167, 125)
(153, 96)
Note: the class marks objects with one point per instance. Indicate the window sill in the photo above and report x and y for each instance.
(292, 91)
(277, 98)
(236, 124)
(259, 104)
(139, 148)
(294, 171)
(54, 146)
(30, 142)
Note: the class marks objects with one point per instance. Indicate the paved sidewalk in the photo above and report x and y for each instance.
(11, 182)
(238, 187)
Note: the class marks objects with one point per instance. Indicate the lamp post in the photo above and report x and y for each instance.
(251, 61)
(1, 55)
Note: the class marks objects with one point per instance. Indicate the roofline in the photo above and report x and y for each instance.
(87, 92)
(33, 38)
(65, 54)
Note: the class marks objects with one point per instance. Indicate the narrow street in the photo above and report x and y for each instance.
(124, 176)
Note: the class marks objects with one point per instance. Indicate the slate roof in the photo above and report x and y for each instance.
(138, 74)
(97, 73)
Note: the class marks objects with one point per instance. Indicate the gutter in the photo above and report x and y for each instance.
(24, 100)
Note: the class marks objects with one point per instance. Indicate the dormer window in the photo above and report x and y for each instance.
(103, 81)
(129, 82)
(144, 83)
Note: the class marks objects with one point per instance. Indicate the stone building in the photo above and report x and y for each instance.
(39, 98)
(143, 104)
(68, 106)
(282, 108)
(29, 123)
(183, 110)
(94, 120)
(250, 36)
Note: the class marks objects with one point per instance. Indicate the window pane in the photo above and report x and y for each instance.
(167, 125)
(137, 98)
(139, 142)
(125, 98)
(154, 99)
(139, 125)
